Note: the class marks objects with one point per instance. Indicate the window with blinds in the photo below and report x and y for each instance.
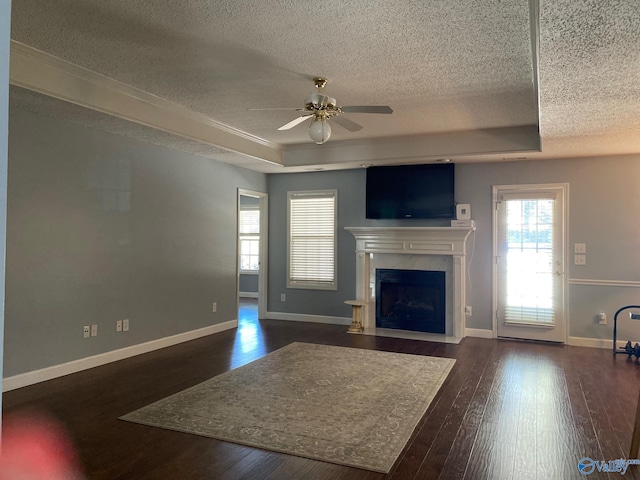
(249, 239)
(312, 239)
(529, 261)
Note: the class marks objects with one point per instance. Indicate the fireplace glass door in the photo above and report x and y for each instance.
(411, 300)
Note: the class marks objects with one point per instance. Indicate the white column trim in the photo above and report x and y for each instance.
(459, 275)
(5, 38)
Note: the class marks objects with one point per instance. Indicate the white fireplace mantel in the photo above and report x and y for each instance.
(390, 241)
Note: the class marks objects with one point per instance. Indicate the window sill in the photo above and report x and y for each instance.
(312, 286)
(530, 324)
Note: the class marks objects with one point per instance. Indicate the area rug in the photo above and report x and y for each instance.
(341, 405)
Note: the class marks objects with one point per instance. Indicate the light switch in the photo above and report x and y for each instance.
(580, 259)
(579, 248)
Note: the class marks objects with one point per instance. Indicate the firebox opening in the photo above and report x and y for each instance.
(411, 300)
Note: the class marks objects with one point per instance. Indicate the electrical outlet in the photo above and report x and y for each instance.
(94, 330)
(215, 307)
(602, 318)
(580, 259)
(86, 331)
(283, 297)
(125, 325)
(468, 311)
(579, 248)
(119, 326)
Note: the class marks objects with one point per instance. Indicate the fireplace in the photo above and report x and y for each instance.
(411, 300)
(441, 249)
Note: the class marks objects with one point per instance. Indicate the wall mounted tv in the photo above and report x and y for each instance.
(411, 191)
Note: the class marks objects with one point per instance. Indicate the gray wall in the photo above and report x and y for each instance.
(103, 228)
(246, 200)
(351, 210)
(248, 283)
(604, 200)
(317, 302)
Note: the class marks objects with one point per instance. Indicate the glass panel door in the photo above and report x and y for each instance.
(529, 263)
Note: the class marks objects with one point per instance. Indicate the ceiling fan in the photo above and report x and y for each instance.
(320, 108)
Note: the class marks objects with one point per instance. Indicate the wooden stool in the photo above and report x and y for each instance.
(356, 323)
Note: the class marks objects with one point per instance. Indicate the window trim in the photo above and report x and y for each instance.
(311, 285)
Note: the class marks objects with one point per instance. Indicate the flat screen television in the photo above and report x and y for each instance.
(411, 191)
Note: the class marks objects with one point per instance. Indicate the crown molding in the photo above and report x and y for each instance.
(41, 72)
(416, 148)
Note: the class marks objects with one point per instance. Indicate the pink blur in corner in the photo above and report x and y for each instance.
(36, 447)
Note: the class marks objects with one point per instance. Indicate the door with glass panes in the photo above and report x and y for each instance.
(529, 262)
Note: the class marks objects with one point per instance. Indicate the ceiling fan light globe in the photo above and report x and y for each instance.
(319, 130)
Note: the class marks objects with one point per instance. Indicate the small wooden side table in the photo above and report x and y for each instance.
(356, 323)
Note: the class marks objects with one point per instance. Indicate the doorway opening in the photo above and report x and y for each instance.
(252, 249)
(529, 248)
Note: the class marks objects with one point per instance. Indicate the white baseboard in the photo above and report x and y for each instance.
(596, 342)
(590, 342)
(478, 333)
(37, 376)
(303, 317)
(248, 294)
(573, 341)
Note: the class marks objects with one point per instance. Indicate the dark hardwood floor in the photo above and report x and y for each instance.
(508, 410)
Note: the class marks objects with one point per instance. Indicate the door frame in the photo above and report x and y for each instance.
(264, 236)
(564, 188)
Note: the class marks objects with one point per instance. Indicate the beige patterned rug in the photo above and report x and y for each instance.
(342, 405)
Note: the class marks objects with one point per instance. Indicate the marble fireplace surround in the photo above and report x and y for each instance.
(413, 248)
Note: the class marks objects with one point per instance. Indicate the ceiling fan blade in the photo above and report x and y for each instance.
(367, 109)
(294, 122)
(286, 108)
(348, 124)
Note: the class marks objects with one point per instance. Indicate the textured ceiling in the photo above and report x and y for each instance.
(590, 67)
(443, 66)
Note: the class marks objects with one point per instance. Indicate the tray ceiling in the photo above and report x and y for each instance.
(446, 68)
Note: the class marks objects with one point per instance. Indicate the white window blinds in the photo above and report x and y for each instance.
(529, 260)
(249, 221)
(312, 239)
